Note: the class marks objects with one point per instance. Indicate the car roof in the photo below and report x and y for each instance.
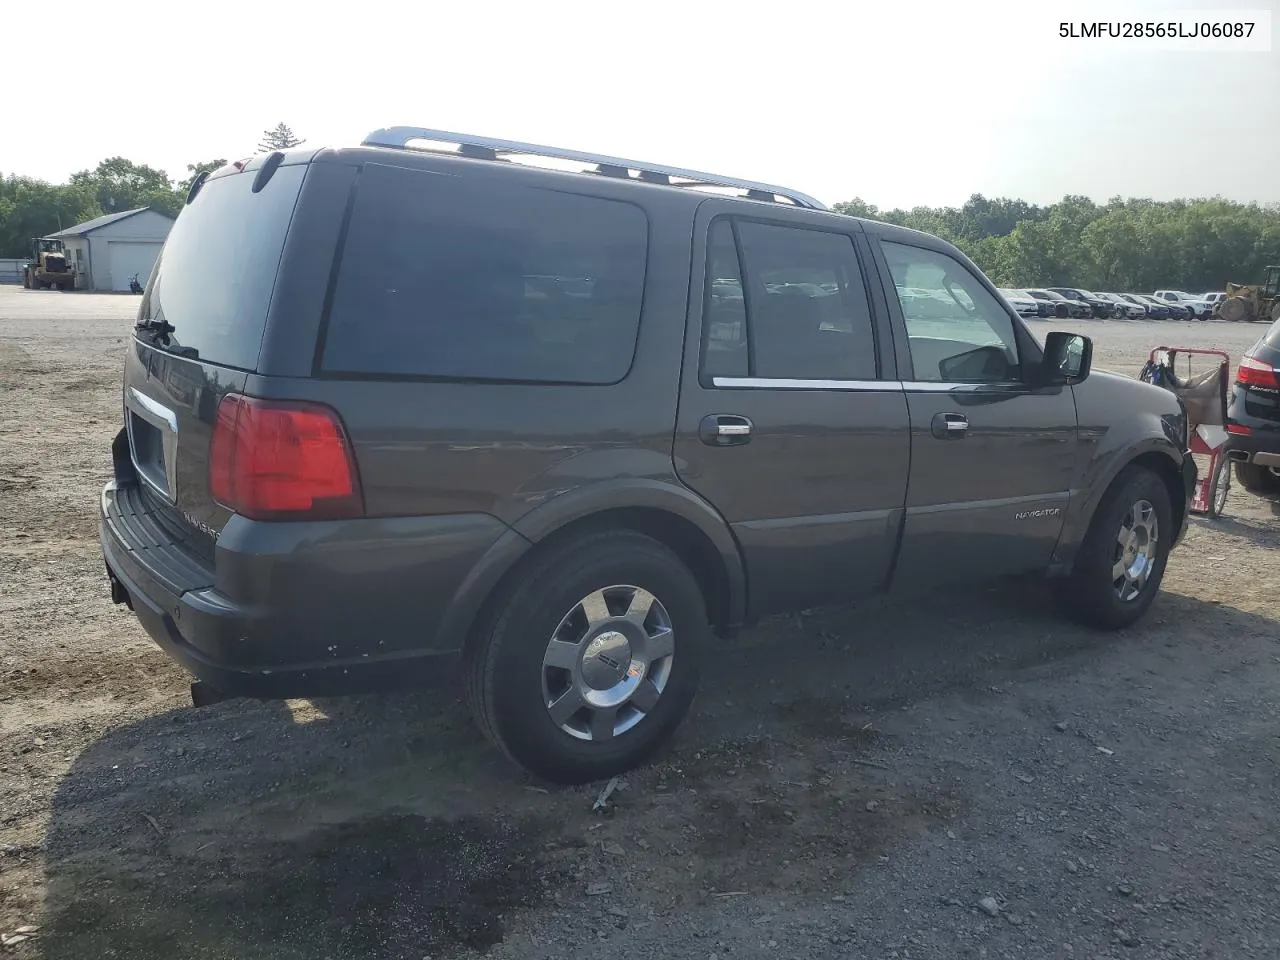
(608, 176)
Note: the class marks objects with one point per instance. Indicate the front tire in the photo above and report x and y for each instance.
(1122, 559)
(589, 662)
(1258, 479)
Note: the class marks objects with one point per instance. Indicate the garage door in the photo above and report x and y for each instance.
(130, 258)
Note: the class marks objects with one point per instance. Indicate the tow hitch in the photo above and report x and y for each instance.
(118, 593)
(203, 695)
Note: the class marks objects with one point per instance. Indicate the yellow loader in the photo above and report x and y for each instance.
(1248, 302)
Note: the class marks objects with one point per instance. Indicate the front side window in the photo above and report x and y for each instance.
(793, 307)
(958, 332)
(442, 277)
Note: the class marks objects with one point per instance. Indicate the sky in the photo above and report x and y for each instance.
(899, 103)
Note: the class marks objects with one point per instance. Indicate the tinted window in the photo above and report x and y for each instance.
(807, 313)
(957, 330)
(443, 277)
(214, 278)
(725, 342)
(1271, 339)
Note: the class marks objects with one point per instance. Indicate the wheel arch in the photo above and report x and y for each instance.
(1163, 466)
(674, 516)
(1158, 457)
(721, 589)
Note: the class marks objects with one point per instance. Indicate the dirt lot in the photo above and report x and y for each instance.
(852, 783)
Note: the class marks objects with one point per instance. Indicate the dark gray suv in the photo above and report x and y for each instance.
(424, 397)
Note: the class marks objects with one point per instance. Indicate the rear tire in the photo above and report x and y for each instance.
(569, 678)
(1122, 559)
(1258, 480)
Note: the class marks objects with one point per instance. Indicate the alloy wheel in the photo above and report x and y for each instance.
(607, 663)
(1136, 551)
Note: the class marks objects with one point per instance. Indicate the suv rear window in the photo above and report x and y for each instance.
(1271, 339)
(215, 275)
(448, 278)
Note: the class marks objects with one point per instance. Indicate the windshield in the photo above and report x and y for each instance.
(213, 281)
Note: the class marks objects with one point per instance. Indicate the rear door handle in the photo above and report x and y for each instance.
(724, 430)
(949, 426)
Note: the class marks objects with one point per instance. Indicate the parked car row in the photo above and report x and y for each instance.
(1075, 303)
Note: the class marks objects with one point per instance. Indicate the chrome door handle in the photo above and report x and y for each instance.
(724, 429)
(949, 426)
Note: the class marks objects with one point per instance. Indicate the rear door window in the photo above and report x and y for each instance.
(792, 307)
(442, 277)
(215, 275)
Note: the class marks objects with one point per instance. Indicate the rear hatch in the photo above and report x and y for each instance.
(198, 335)
(1259, 376)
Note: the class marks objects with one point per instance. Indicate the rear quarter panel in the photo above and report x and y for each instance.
(431, 448)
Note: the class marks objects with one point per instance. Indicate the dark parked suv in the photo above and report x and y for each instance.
(1102, 308)
(1253, 416)
(391, 403)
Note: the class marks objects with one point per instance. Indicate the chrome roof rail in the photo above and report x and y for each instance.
(489, 148)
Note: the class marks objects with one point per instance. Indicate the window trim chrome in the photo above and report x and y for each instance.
(784, 383)
(859, 386)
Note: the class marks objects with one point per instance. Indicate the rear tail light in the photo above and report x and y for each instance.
(1255, 373)
(282, 460)
(1239, 429)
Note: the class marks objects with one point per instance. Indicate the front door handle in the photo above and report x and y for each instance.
(949, 426)
(724, 430)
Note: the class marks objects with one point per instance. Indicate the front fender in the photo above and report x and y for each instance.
(1107, 449)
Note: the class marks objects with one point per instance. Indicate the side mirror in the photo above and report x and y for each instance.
(1068, 357)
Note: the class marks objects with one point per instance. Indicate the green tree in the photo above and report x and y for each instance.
(33, 208)
(194, 170)
(120, 184)
(857, 207)
(279, 137)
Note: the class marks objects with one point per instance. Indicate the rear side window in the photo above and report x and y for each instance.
(215, 275)
(801, 295)
(442, 277)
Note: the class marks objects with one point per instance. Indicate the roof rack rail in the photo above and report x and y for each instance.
(489, 148)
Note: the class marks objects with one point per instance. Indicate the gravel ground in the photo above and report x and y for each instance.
(958, 775)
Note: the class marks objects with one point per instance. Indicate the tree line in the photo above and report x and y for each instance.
(35, 208)
(1125, 246)
(1122, 245)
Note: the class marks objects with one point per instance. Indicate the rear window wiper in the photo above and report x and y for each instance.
(158, 328)
(157, 331)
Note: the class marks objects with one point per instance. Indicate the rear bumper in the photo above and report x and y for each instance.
(1261, 447)
(1261, 444)
(297, 609)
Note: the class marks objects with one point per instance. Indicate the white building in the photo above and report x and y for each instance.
(108, 251)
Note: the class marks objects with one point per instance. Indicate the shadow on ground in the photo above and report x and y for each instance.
(386, 828)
